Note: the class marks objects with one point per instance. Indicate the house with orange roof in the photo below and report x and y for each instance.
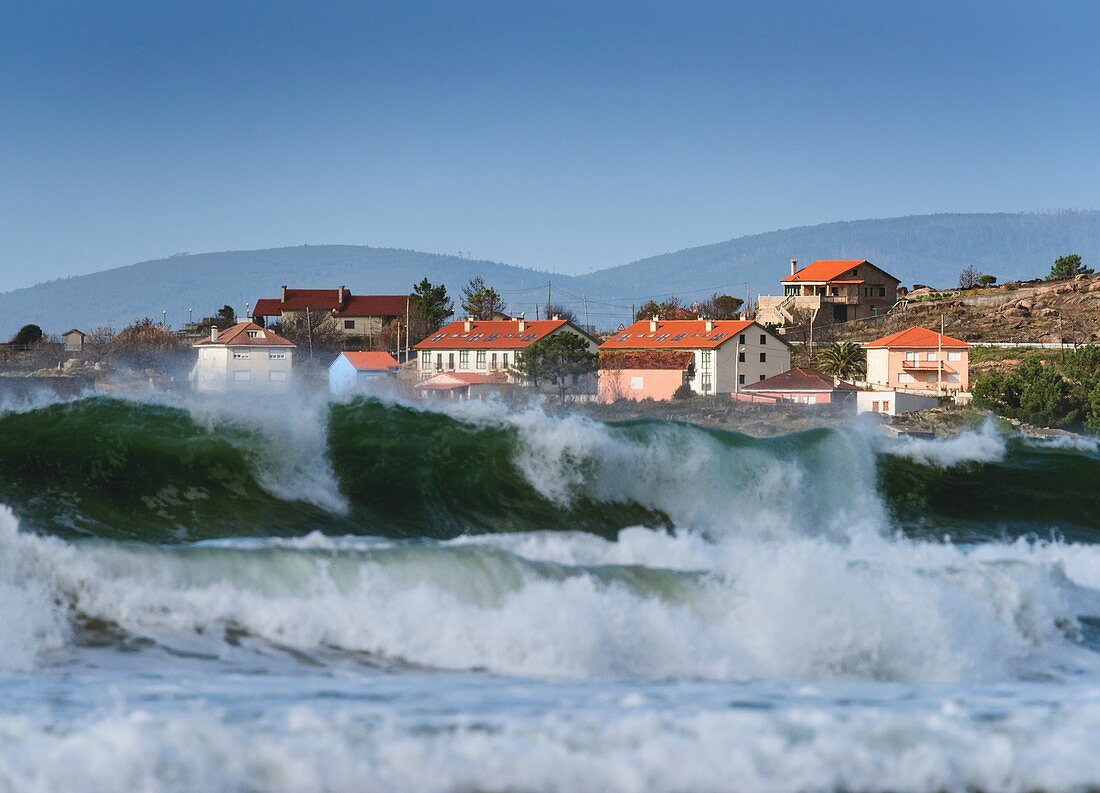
(830, 290)
(355, 370)
(244, 357)
(487, 347)
(725, 354)
(918, 359)
(360, 317)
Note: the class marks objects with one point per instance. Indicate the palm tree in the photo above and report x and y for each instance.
(844, 359)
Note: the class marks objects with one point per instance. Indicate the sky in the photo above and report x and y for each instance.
(564, 136)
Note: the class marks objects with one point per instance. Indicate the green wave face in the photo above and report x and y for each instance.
(159, 473)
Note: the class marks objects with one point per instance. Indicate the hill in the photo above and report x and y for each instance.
(926, 249)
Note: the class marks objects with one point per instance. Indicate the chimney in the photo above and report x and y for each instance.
(522, 324)
(653, 324)
(710, 324)
(468, 325)
(213, 333)
(282, 298)
(794, 266)
(557, 317)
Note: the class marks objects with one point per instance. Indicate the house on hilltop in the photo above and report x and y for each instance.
(831, 290)
(360, 317)
(244, 357)
(725, 354)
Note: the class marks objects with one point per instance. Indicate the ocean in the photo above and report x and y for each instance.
(371, 595)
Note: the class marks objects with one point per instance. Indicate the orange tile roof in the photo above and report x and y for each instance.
(683, 334)
(493, 334)
(799, 379)
(826, 270)
(646, 359)
(917, 336)
(239, 336)
(371, 361)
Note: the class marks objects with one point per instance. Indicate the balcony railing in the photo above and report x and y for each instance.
(928, 366)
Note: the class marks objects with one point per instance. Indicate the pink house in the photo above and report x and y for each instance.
(644, 374)
(803, 386)
(919, 359)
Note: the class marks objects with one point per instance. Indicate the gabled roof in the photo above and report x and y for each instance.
(799, 378)
(827, 270)
(74, 330)
(447, 381)
(679, 360)
(244, 334)
(329, 300)
(492, 334)
(682, 334)
(917, 336)
(371, 361)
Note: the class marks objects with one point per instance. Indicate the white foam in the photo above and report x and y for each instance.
(986, 445)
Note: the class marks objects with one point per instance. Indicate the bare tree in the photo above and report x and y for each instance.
(312, 331)
(970, 277)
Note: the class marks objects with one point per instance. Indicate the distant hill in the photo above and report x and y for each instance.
(928, 249)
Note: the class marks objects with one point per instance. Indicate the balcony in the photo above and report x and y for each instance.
(927, 366)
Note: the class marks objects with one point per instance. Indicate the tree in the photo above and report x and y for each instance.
(480, 301)
(1030, 393)
(845, 360)
(1068, 266)
(561, 360)
(669, 308)
(27, 335)
(987, 280)
(721, 306)
(146, 344)
(311, 330)
(429, 308)
(970, 277)
(558, 310)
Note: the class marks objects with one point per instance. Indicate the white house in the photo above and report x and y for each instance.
(354, 370)
(728, 354)
(891, 403)
(244, 357)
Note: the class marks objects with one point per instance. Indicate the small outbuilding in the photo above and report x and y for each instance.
(891, 403)
(354, 370)
(802, 385)
(461, 385)
(74, 340)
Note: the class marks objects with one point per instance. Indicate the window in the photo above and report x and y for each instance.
(763, 338)
(740, 357)
(439, 361)
(451, 361)
(706, 382)
(954, 356)
(886, 407)
(277, 377)
(463, 359)
(874, 407)
(905, 377)
(741, 379)
(763, 377)
(253, 334)
(912, 356)
(493, 362)
(763, 357)
(741, 340)
(425, 359)
(242, 377)
(481, 359)
(240, 355)
(504, 360)
(276, 355)
(882, 291)
(931, 356)
(704, 358)
(834, 291)
(349, 324)
(952, 377)
(636, 384)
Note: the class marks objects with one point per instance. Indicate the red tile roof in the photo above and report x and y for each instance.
(799, 379)
(827, 270)
(494, 334)
(244, 334)
(646, 359)
(684, 334)
(329, 300)
(917, 336)
(371, 361)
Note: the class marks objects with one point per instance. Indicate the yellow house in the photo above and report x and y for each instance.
(919, 359)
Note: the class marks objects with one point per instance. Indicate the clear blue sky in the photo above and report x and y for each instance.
(562, 135)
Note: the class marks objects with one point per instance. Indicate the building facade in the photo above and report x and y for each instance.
(357, 370)
(360, 317)
(488, 347)
(803, 386)
(918, 359)
(726, 354)
(244, 357)
(830, 290)
(644, 374)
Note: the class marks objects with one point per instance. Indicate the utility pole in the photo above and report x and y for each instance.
(536, 312)
(632, 320)
(549, 299)
(407, 301)
(309, 332)
(587, 327)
